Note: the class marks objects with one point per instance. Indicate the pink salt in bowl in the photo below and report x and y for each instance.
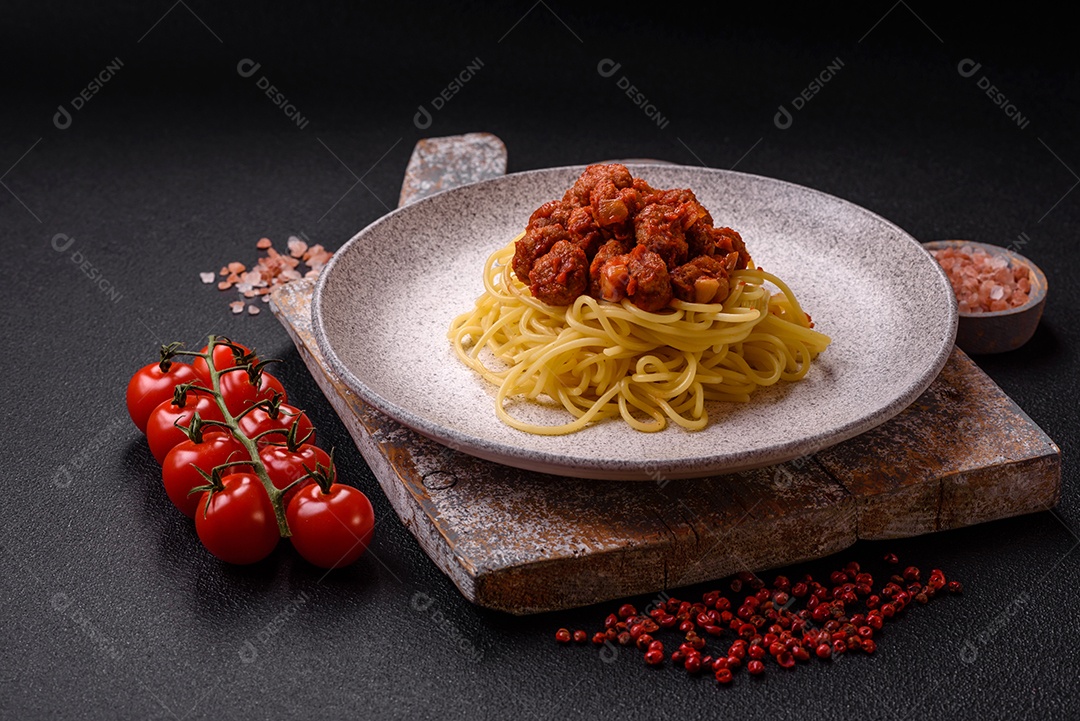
(1001, 330)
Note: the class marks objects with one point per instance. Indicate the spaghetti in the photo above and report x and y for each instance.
(600, 359)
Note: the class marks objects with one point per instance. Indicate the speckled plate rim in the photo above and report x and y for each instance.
(614, 468)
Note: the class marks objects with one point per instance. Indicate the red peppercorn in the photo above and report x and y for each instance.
(611, 620)
(823, 650)
(723, 604)
(626, 610)
(562, 635)
(839, 647)
(956, 587)
(666, 621)
(785, 659)
(888, 610)
(911, 573)
(686, 626)
(710, 598)
(719, 663)
(698, 643)
(756, 652)
(724, 676)
(755, 667)
(625, 639)
(733, 662)
(776, 648)
(654, 657)
(693, 663)
(800, 653)
(599, 638)
(891, 558)
(866, 632)
(868, 645)
(677, 657)
(644, 641)
(713, 630)
(580, 636)
(922, 598)
(799, 590)
(875, 622)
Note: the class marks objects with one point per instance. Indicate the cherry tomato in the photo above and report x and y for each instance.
(149, 387)
(331, 530)
(178, 469)
(223, 358)
(285, 466)
(239, 393)
(237, 524)
(259, 421)
(162, 435)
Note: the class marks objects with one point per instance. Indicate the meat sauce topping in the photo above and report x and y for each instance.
(612, 236)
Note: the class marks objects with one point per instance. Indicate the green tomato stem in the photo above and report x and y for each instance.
(232, 422)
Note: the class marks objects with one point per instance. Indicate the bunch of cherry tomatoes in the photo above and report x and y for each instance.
(241, 461)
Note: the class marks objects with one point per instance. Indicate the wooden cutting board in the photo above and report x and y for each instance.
(524, 542)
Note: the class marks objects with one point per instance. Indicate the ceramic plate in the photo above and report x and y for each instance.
(384, 303)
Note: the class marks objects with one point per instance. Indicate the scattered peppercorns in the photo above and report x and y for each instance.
(838, 617)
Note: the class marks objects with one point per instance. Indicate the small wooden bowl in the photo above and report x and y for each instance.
(1002, 330)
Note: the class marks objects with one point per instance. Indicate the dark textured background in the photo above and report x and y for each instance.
(111, 608)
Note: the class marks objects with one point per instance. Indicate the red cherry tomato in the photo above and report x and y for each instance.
(285, 466)
(149, 387)
(162, 435)
(237, 524)
(239, 393)
(331, 530)
(259, 421)
(178, 469)
(223, 358)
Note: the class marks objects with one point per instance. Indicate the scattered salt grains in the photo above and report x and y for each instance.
(983, 283)
(297, 247)
(270, 271)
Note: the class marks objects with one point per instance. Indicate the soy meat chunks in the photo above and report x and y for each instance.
(702, 280)
(640, 275)
(609, 250)
(728, 240)
(547, 226)
(584, 232)
(659, 228)
(561, 275)
(618, 237)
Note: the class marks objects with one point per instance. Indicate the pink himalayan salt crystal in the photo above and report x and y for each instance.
(982, 282)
